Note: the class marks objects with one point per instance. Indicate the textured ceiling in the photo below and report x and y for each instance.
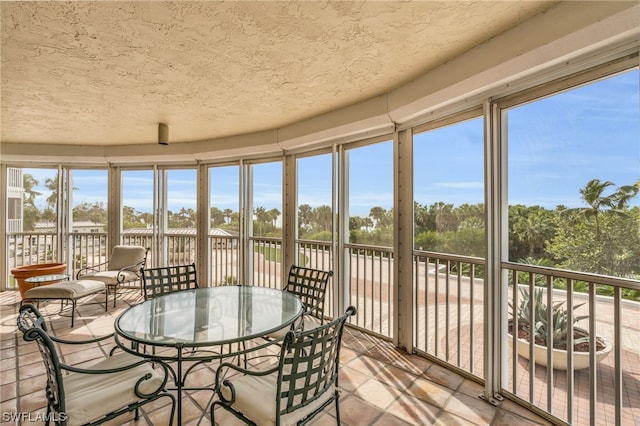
(105, 73)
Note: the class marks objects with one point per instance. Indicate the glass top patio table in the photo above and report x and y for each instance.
(39, 279)
(188, 326)
(208, 316)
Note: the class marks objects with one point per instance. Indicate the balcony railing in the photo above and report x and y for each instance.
(448, 311)
(267, 261)
(224, 262)
(29, 248)
(607, 388)
(370, 287)
(319, 255)
(87, 249)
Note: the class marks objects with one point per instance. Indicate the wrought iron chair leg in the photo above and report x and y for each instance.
(337, 411)
(48, 419)
(115, 290)
(73, 311)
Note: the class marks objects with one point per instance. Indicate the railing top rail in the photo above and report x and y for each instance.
(34, 233)
(267, 239)
(370, 247)
(326, 243)
(573, 275)
(447, 256)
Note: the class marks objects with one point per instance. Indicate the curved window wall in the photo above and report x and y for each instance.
(529, 198)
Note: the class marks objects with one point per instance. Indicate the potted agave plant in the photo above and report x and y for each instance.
(555, 333)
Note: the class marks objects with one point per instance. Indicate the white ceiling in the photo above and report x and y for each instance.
(105, 73)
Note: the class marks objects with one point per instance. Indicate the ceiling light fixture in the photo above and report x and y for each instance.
(163, 134)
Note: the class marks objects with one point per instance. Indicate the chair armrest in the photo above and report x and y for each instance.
(124, 368)
(222, 381)
(92, 268)
(81, 342)
(135, 268)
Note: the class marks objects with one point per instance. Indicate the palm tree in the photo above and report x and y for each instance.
(273, 215)
(323, 218)
(624, 195)
(227, 215)
(261, 216)
(377, 214)
(593, 195)
(305, 215)
(217, 217)
(28, 183)
(52, 185)
(537, 229)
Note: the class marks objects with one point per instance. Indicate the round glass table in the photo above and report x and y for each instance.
(51, 278)
(202, 325)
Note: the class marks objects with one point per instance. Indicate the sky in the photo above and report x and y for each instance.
(555, 146)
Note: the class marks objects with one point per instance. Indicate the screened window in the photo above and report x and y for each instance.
(449, 189)
(573, 179)
(370, 190)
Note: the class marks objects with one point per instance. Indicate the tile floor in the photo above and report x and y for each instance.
(380, 384)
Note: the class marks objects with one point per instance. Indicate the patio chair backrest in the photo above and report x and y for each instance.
(310, 285)
(31, 324)
(131, 258)
(309, 363)
(168, 279)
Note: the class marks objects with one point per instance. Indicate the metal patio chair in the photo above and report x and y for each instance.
(310, 285)
(92, 395)
(123, 268)
(168, 279)
(302, 384)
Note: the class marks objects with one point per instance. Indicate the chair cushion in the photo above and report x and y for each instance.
(262, 410)
(111, 277)
(126, 257)
(91, 396)
(310, 322)
(65, 290)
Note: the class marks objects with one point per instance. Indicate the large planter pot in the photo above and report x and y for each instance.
(21, 273)
(559, 360)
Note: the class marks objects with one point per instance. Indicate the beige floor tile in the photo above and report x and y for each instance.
(350, 379)
(471, 388)
(508, 418)
(430, 392)
(390, 420)
(377, 393)
(396, 377)
(472, 409)
(354, 411)
(442, 376)
(448, 419)
(367, 365)
(413, 410)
